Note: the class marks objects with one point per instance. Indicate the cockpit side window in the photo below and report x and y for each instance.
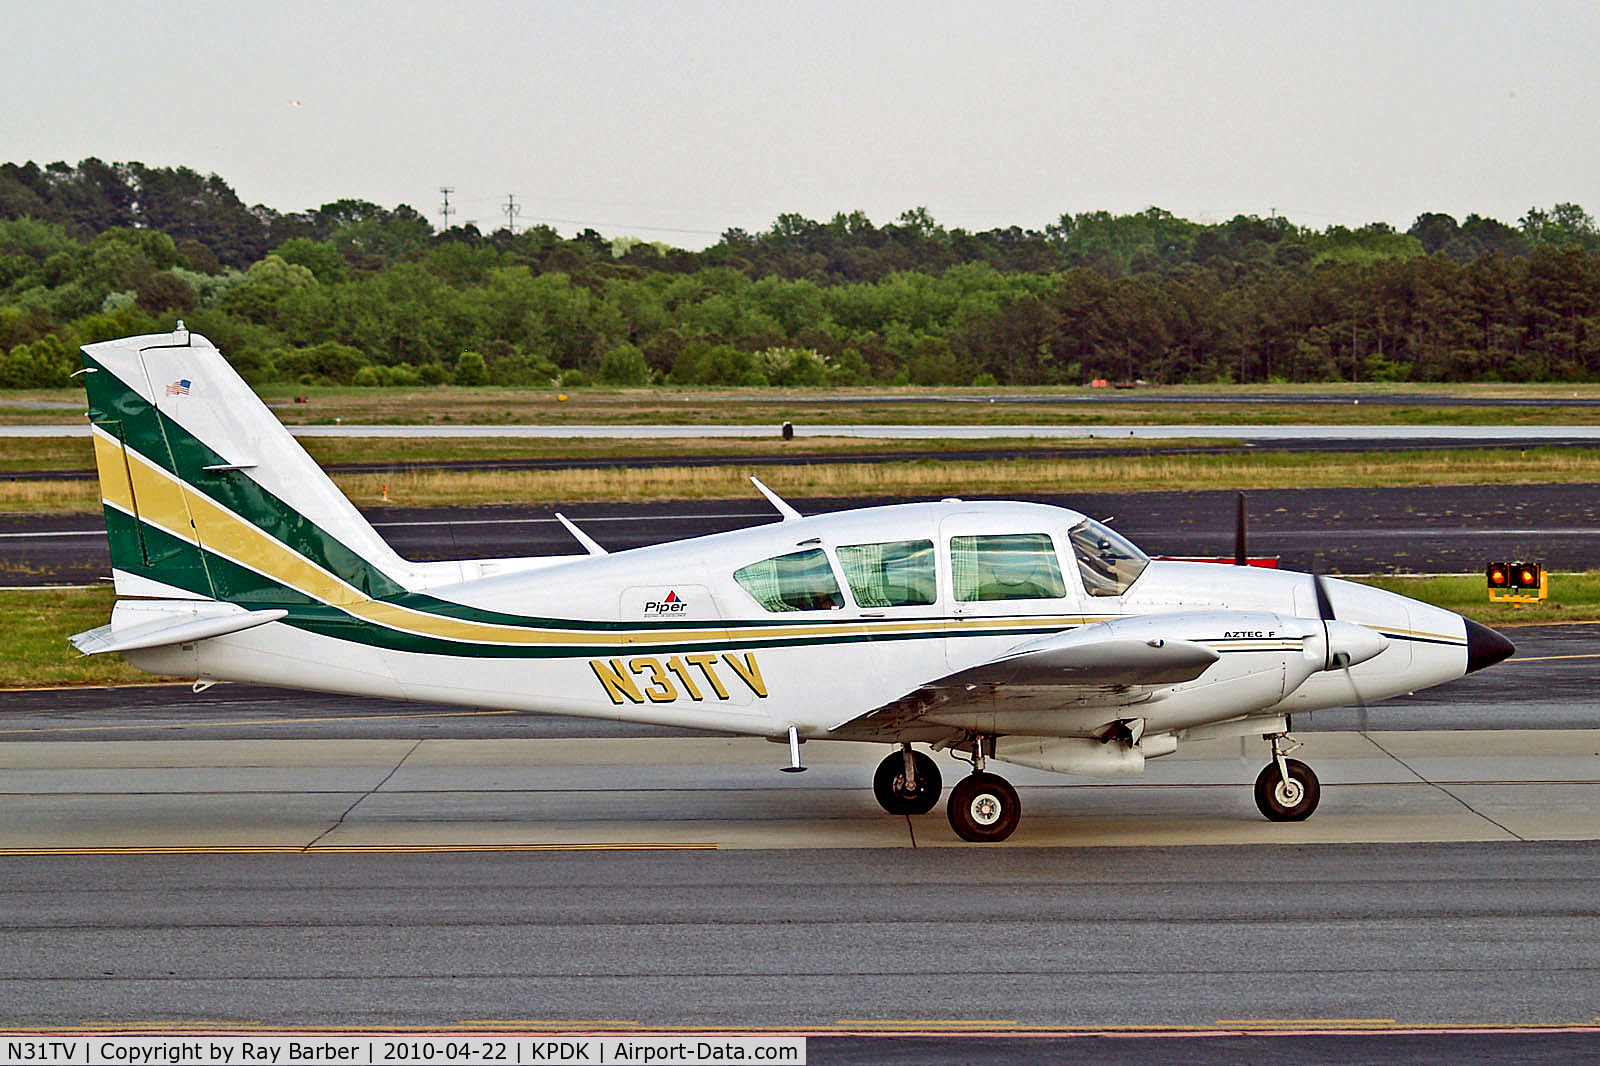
(897, 573)
(1013, 566)
(799, 581)
(1108, 561)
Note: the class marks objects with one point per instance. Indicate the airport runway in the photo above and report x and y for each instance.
(1374, 434)
(1416, 529)
(987, 454)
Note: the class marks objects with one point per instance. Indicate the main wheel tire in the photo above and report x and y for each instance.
(889, 784)
(984, 809)
(1290, 800)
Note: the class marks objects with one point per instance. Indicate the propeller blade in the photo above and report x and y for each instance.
(1325, 612)
(1240, 556)
(1324, 605)
(1361, 704)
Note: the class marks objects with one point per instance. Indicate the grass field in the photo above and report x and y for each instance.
(1081, 471)
(1340, 404)
(38, 623)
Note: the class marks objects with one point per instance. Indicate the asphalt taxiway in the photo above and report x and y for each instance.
(978, 941)
(725, 792)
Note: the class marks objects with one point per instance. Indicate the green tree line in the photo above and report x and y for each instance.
(354, 293)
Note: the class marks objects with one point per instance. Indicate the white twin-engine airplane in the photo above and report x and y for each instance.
(1010, 632)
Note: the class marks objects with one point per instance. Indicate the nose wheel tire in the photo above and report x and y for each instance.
(889, 784)
(1287, 799)
(984, 809)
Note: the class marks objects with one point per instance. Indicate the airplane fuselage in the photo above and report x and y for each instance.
(666, 635)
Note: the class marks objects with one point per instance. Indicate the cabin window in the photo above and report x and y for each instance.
(897, 573)
(1108, 561)
(800, 581)
(1014, 566)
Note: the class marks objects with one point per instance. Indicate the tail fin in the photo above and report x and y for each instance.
(207, 496)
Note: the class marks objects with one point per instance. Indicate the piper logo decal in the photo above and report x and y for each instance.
(668, 604)
(645, 678)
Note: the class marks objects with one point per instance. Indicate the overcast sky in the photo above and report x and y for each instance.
(676, 121)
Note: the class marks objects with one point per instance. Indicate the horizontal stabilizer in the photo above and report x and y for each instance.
(163, 631)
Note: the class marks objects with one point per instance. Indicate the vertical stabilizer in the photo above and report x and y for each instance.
(208, 496)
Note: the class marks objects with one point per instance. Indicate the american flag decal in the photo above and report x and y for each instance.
(179, 387)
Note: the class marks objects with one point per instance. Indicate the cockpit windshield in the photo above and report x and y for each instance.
(1108, 561)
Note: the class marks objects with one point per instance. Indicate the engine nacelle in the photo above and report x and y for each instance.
(1078, 755)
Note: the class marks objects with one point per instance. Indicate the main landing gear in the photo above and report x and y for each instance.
(983, 807)
(907, 782)
(1286, 789)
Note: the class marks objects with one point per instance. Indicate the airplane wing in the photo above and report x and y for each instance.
(1099, 667)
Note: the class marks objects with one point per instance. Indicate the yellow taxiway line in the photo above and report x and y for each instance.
(1553, 658)
(257, 721)
(350, 849)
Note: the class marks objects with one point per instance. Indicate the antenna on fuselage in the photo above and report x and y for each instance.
(583, 538)
(789, 513)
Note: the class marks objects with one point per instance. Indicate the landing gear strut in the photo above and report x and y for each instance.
(1286, 789)
(907, 782)
(984, 808)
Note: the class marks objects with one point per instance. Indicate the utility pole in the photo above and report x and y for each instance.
(512, 210)
(447, 210)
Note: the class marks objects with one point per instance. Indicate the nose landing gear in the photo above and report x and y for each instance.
(1286, 790)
